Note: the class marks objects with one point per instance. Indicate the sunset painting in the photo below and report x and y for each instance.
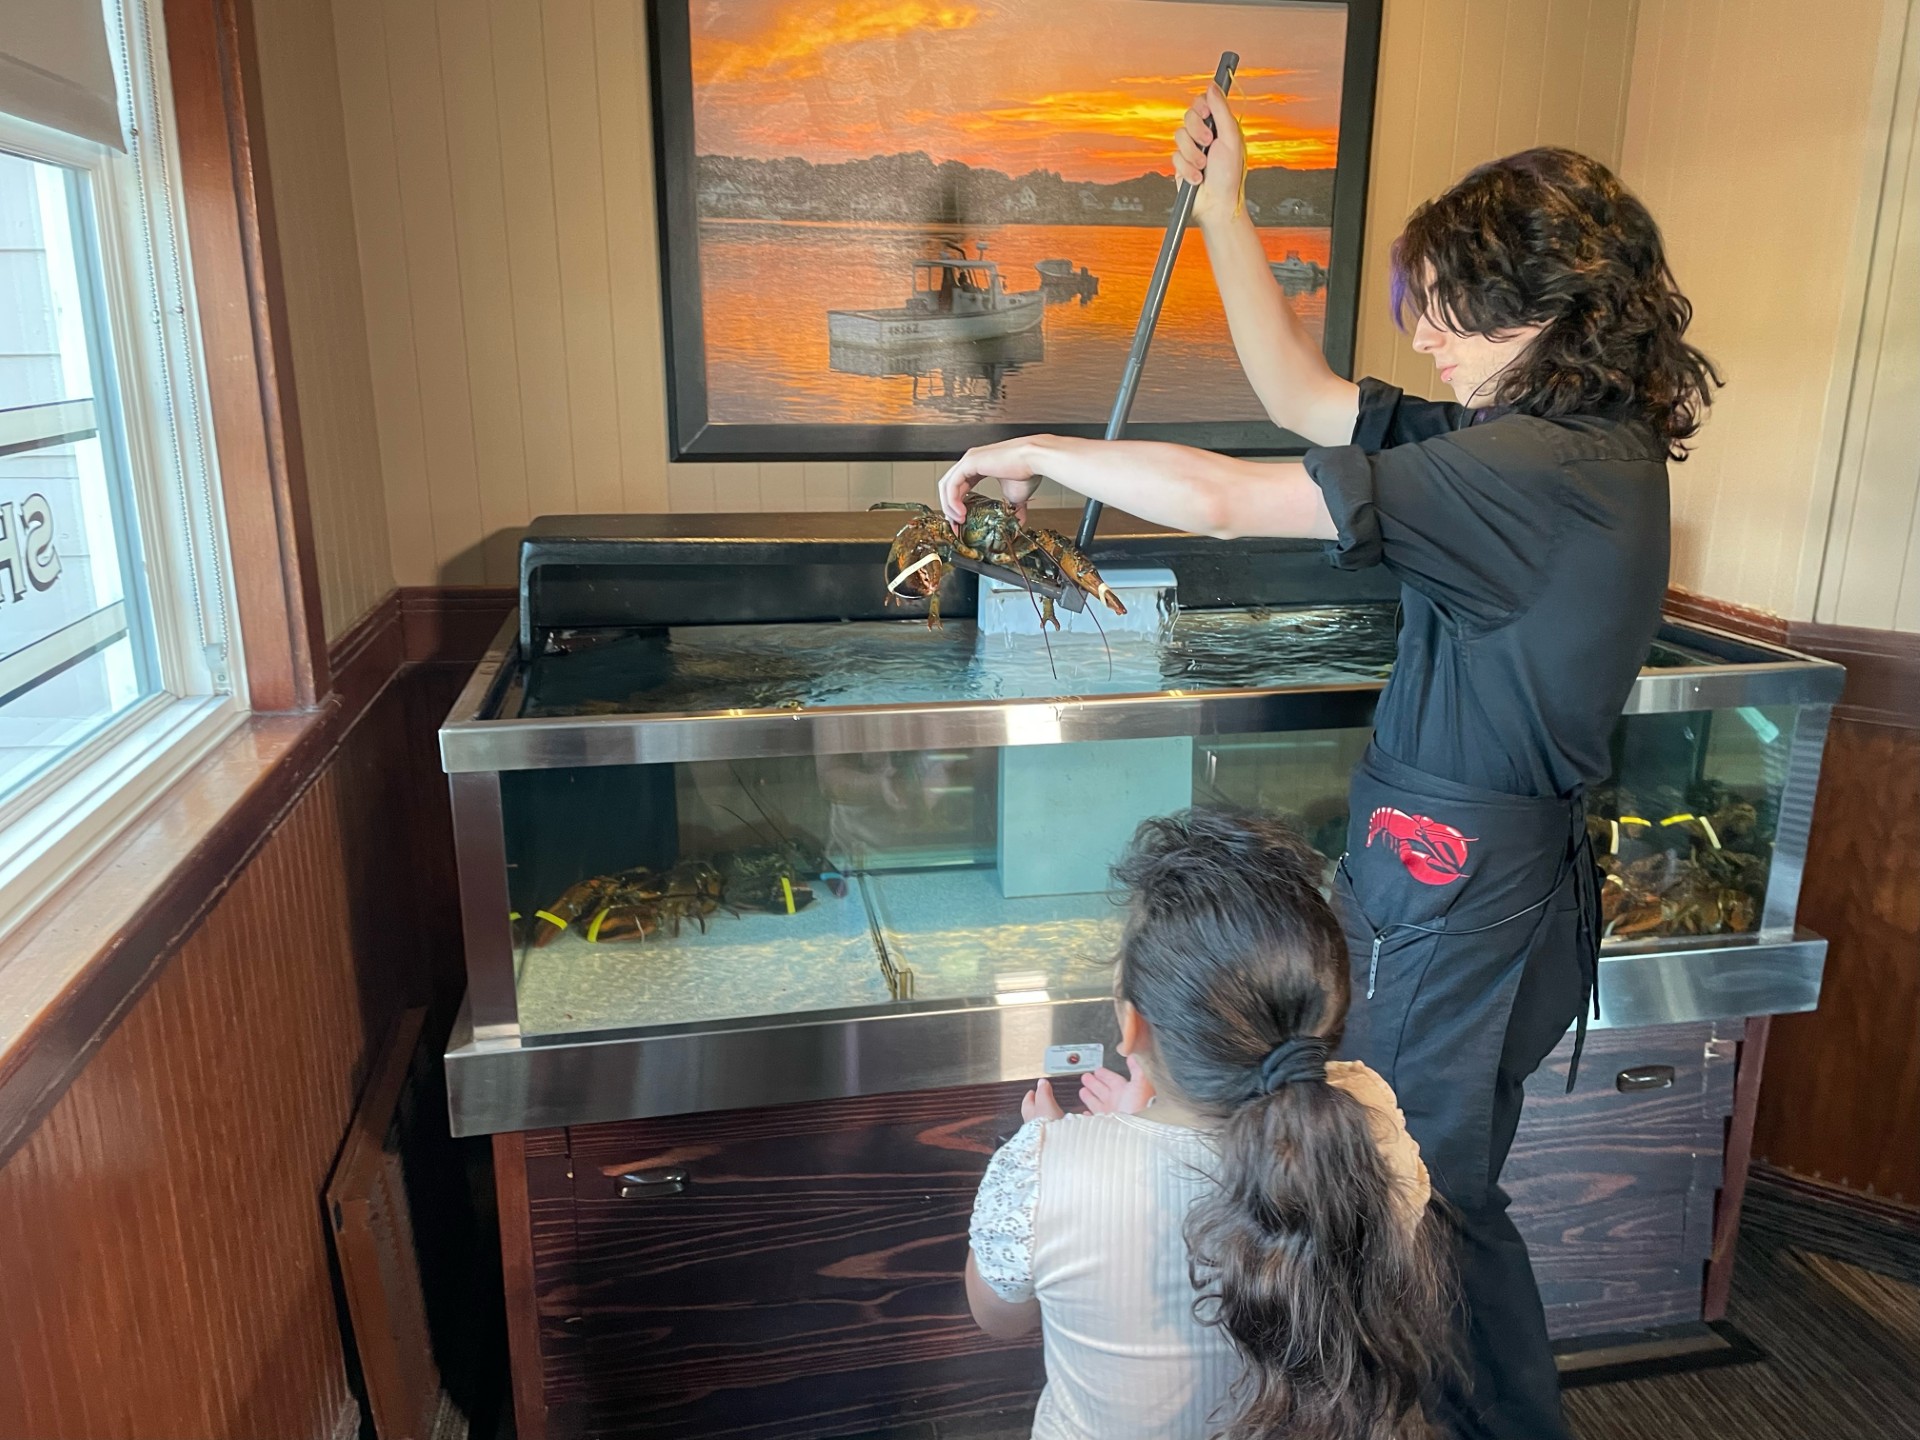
(945, 212)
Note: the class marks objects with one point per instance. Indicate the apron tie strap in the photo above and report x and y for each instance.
(1587, 887)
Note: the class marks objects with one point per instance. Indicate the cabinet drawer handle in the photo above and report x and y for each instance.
(649, 1184)
(1644, 1077)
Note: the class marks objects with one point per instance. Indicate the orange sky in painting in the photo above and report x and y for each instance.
(1085, 87)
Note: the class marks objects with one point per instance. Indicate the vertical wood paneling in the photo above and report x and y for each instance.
(533, 252)
(360, 42)
(580, 212)
(320, 267)
(1467, 81)
(161, 1247)
(1871, 575)
(420, 123)
(554, 328)
(633, 255)
(1747, 136)
(486, 276)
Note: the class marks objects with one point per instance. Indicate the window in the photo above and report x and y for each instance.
(75, 646)
(116, 663)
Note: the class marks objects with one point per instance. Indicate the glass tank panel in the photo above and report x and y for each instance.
(702, 891)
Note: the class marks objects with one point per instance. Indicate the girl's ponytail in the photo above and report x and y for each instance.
(1306, 1257)
(1305, 1253)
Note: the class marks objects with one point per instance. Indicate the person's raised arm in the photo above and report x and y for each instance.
(1283, 363)
(1173, 485)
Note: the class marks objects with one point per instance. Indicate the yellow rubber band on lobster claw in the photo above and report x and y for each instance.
(550, 918)
(1678, 819)
(1713, 837)
(513, 914)
(593, 930)
(1634, 820)
(1615, 849)
(786, 889)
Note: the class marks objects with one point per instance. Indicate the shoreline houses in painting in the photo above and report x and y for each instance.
(915, 189)
(953, 207)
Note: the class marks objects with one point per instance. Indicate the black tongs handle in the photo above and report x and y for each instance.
(1150, 308)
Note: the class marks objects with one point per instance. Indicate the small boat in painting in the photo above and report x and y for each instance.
(1059, 279)
(952, 299)
(1297, 274)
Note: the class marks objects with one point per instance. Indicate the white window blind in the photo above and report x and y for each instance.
(56, 70)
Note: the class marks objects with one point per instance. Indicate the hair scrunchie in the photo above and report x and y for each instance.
(1304, 1057)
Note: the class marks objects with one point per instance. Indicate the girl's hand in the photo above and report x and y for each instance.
(1010, 462)
(1105, 1093)
(1215, 164)
(1040, 1104)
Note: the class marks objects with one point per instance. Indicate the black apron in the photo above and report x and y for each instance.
(1448, 895)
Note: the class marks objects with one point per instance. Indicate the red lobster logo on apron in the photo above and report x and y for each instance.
(1434, 852)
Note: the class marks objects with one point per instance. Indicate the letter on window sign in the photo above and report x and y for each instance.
(43, 561)
(12, 562)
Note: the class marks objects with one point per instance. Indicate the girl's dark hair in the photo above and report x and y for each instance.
(1301, 1253)
(1551, 236)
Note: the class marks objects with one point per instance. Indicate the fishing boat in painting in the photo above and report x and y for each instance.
(953, 299)
(1297, 274)
(1059, 280)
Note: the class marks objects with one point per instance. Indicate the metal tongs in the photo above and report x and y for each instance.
(1069, 595)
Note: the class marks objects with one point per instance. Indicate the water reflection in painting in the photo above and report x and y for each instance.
(951, 215)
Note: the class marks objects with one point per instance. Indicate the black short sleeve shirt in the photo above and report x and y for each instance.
(1532, 558)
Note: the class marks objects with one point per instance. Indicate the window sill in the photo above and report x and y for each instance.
(74, 966)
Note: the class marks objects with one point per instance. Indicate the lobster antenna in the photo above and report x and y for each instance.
(772, 824)
(758, 833)
(1094, 616)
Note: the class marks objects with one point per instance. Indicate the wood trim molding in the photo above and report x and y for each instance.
(1883, 670)
(242, 309)
(1883, 666)
(452, 624)
(1761, 625)
(1876, 1209)
(528, 1374)
(1739, 1157)
(200, 837)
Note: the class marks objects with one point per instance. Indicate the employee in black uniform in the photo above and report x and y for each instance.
(1527, 525)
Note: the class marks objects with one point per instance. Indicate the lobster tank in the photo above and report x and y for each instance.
(734, 831)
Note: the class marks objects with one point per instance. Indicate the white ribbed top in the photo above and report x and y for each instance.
(1087, 1214)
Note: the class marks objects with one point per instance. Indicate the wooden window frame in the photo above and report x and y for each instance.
(238, 290)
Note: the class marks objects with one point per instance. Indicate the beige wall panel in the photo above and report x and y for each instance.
(533, 255)
(633, 256)
(320, 263)
(579, 207)
(563, 165)
(1746, 135)
(420, 124)
(1871, 576)
(1467, 81)
(365, 101)
(486, 278)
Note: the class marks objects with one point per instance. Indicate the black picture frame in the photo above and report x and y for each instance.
(694, 436)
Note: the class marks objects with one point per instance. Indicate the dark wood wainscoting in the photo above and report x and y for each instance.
(161, 1249)
(163, 1258)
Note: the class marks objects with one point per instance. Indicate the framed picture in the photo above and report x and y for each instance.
(892, 229)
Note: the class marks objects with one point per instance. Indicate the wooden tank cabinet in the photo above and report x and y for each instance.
(802, 1279)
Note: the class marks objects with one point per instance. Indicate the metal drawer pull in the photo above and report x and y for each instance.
(1644, 1077)
(649, 1184)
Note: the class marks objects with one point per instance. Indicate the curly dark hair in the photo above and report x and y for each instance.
(1552, 237)
(1301, 1252)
